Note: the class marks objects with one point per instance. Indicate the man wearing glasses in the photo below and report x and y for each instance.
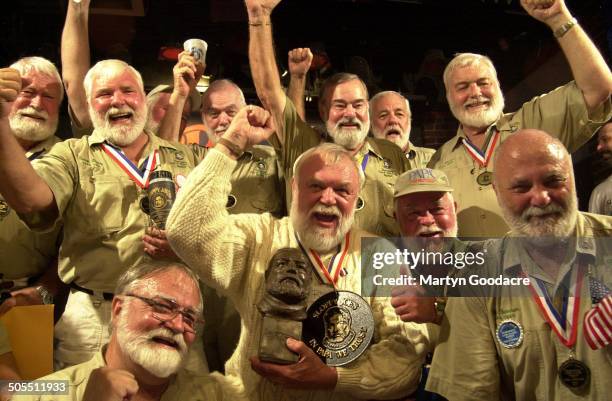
(155, 313)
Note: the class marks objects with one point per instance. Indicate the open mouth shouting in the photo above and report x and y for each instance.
(166, 342)
(119, 116)
(393, 132)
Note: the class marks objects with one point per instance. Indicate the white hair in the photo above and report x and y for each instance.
(464, 60)
(40, 65)
(380, 95)
(109, 68)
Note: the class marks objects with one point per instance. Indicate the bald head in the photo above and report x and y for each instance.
(534, 183)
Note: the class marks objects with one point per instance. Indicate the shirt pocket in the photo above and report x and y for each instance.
(103, 203)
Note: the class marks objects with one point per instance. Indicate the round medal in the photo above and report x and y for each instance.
(360, 203)
(231, 201)
(339, 327)
(485, 178)
(509, 334)
(574, 373)
(4, 209)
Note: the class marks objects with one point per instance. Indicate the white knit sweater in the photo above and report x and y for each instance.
(231, 253)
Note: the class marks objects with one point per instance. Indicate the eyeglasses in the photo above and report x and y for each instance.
(165, 310)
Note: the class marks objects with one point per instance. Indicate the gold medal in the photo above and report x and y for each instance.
(574, 373)
(485, 178)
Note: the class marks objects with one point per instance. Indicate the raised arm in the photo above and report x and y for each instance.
(590, 70)
(186, 74)
(76, 59)
(299, 64)
(21, 187)
(263, 62)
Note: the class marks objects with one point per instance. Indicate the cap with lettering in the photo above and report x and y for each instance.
(421, 180)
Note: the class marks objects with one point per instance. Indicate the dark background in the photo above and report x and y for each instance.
(392, 36)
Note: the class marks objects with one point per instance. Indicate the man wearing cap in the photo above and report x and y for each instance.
(161, 121)
(548, 338)
(601, 197)
(391, 120)
(572, 113)
(343, 106)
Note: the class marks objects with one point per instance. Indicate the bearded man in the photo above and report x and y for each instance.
(538, 341)
(155, 316)
(94, 185)
(326, 183)
(33, 119)
(572, 113)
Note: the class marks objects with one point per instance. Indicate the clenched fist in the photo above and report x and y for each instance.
(299, 61)
(10, 86)
(108, 384)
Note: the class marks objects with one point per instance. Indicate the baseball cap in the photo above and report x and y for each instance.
(194, 95)
(421, 180)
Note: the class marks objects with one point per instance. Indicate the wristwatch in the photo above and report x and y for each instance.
(440, 305)
(45, 295)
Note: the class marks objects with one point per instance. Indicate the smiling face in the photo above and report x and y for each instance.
(324, 197)
(34, 114)
(158, 347)
(391, 119)
(604, 141)
(117, 106)
(474, 96)
(535, 187)
(348, 120)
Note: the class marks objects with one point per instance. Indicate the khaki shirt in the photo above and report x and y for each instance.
(257, 185)
(561, 113)
(386, 161)
(184, 386)
(471, 364)
(100, 206)
(601, 198)
(23, 253)
(418, 157)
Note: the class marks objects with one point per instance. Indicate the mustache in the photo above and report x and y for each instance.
(166, 333)
(349, 120)
(479, 99)
(31, 111)
(329, 210)
(534, 211)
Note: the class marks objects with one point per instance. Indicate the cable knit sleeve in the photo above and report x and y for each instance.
(391, 367)
(204, 235)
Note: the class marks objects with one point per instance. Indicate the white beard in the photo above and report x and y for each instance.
(482, 118)
(120, 135)
(318, 238)
(31, 129)
(349, 139)
(401, 141)
(543, 231)
(154, 358)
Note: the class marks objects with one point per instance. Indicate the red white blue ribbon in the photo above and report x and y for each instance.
(482, 158)
(331, 272)
(565, 323)
(139, 175)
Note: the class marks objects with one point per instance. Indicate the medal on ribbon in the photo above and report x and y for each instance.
(483, 158)
(331, 272)
(572, 373)
(140, 176)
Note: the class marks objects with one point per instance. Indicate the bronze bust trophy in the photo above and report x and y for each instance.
(283, 305)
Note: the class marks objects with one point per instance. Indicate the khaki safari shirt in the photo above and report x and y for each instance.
(184, 386)
(470, 362)
(418, 157)
(23, 253)
(561, 113)
(385, 162)
(101, 206)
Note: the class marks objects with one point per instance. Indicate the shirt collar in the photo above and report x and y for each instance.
(154, 142)
(42, 146)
